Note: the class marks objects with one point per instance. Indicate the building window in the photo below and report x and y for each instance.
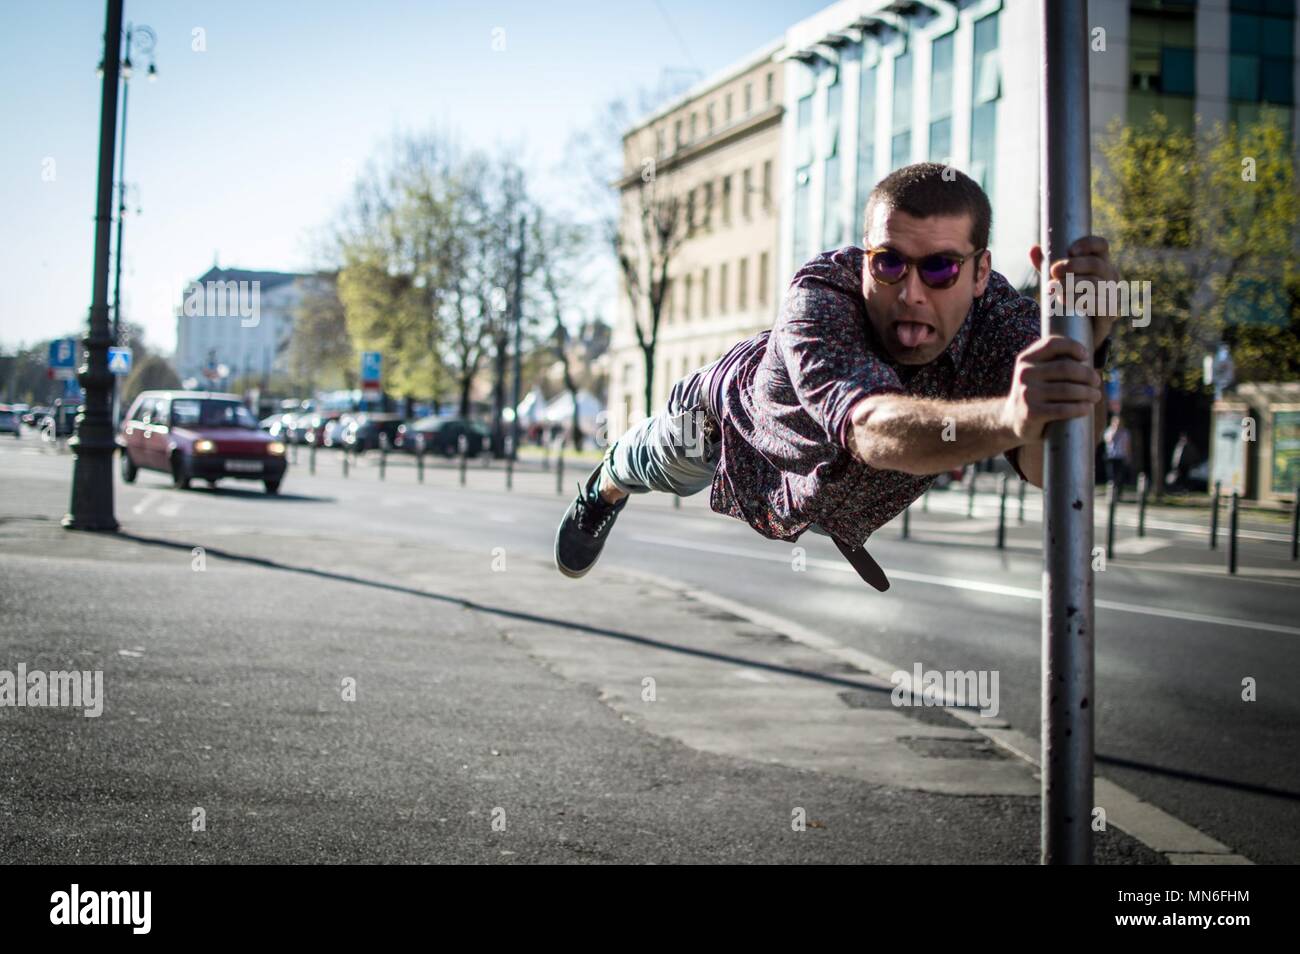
(704, 293)
(726, 109)
(726, 200)
(866, 146)
(803, 141)
(708, 118)
(742, 284)
(749, 98)
(901, 145)
(1162, 61)
(746, 187)
(770, 87)
(986, 90)
(708, 205)
(686, 297)
(832, 214)
(802, 209)
(694, 117)
(941, 99)
(677, 134)
(1261, 61)
(762, 278)
(722, 288)
(690, 211)
(661, 143)
(767, 184)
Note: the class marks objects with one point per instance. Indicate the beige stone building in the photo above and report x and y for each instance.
(717, 148)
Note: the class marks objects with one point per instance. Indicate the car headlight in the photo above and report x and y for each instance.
(204, 447)
(275, 448)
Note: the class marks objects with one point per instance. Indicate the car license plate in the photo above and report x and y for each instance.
(244, 466)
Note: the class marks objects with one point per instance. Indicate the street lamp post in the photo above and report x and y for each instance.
(143, 39)
(93, 444)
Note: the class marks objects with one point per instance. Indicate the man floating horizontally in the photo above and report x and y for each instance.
(886, 366)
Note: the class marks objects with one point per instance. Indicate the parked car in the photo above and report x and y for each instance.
(443, 435)
(35, 415)
(10, 421)
(198, 434)
(315, 429)
(365, 432)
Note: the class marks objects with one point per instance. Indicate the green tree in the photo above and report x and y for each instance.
(154, 373)
(1208, 217)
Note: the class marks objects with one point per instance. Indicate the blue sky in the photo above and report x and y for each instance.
(244, 150)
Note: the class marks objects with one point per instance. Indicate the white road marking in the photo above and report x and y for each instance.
(1141, 545)
(144, 504)
(978, 586)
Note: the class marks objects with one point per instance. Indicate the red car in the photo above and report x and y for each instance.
(198, 435)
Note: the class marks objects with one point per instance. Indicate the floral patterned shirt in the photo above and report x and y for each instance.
(784, 398)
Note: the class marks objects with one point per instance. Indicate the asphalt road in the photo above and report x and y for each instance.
(1176, 637)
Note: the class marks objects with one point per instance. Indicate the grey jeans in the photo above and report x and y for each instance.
(674, 451)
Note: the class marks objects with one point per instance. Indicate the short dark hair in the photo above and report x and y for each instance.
(926, 189)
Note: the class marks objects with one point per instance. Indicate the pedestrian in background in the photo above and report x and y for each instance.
(1118, 446)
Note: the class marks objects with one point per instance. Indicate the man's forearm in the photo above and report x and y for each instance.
(927, 436)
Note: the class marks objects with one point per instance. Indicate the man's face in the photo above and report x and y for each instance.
(916, 322)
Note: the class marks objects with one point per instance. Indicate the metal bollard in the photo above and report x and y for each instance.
(383, 460)
(1295, 528)
(510, 473)
(1232, 534)
(1021, 517)
(311, 460)
(345, 462)
(1142, 504)
(970, 497)
(1214, 518)
(294, 448)
(677, 502)
(419, 464)
(1002, 514)
(559, 472)
(464, 460)
(925, 501)
(907, 529)
(1111, 504)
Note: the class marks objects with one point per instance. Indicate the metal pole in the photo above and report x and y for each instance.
(1021, 517)
(510, 468)
(1232, 534)
(1142, 504)
(1214, 518)
(517, 308)
(383, 460)
(925, 501)
(311, 458)
(121, 215)
(1112, 501)
(419, 463)
(92, 471)
(559, 471)
(907, 528)
(1068, 701)
(970, 497)
(1002, 514)
(464, 457)
(1295, 528)
(345, 462)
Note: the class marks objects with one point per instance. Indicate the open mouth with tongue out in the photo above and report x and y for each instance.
(912, 334)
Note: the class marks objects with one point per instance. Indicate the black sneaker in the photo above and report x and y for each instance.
(584, 528)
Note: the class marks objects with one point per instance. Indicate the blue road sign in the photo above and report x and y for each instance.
(119, 360)
(371, 363)
(63, 358)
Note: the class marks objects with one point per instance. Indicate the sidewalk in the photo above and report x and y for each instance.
(481, 694)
